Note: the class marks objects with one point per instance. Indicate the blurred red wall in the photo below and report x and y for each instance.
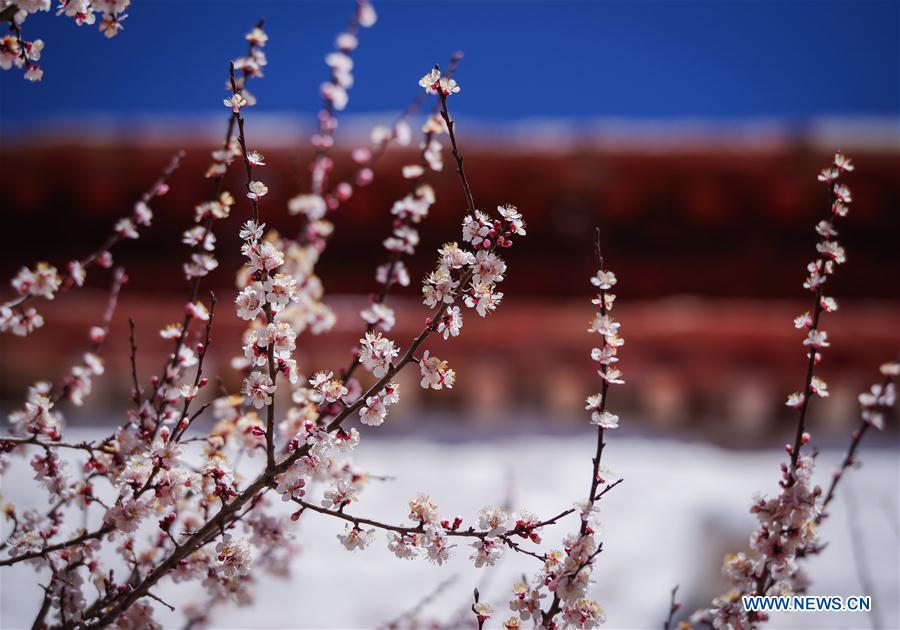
(709, 245)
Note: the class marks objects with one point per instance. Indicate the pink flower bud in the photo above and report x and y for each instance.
(364, 177)
(361, 155)
(105, 260)
(344, 191)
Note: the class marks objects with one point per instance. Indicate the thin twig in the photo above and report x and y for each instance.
(857, 546)
(673, 608)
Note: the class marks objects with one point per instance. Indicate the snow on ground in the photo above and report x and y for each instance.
(680, 508)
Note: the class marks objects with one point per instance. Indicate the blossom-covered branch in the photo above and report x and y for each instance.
(201, 238)
(306, 310)
(874, 407)
(491, 520)
(38, 419)
(568, 580)
(266, 295)
(829, 255)
(44, 281)
(787, 522)
(303, 253)
(199, 506)
(334, 92)
(313, 205)
(408, 211)
(43, 426)
(157, 469)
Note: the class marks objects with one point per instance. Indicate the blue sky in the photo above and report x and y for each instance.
(579, 60)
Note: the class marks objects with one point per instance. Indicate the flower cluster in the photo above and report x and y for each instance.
(785, 533)
(266, 295)
(235, 556)
(42, 281)
(436, 374)
(21, 53)
(249, 66)
(376, 353)
(477, 274)
(356, 538)
(37, 417)
(374, 412)
(434, 83)
(431, 541)
(567, 575)
(326, 388)
(880, 397)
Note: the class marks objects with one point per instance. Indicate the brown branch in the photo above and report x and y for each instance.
(849, 457)
(445, 114)
(161, 601)
(8, 443)
(230, 510)
(105, 529)
(506, 537)
(179, 429)
(421, 604)
(136, 395)
(8, 13)
(673, 608)
(38, 622)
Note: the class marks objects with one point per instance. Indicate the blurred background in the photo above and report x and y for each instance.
(690, 133)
